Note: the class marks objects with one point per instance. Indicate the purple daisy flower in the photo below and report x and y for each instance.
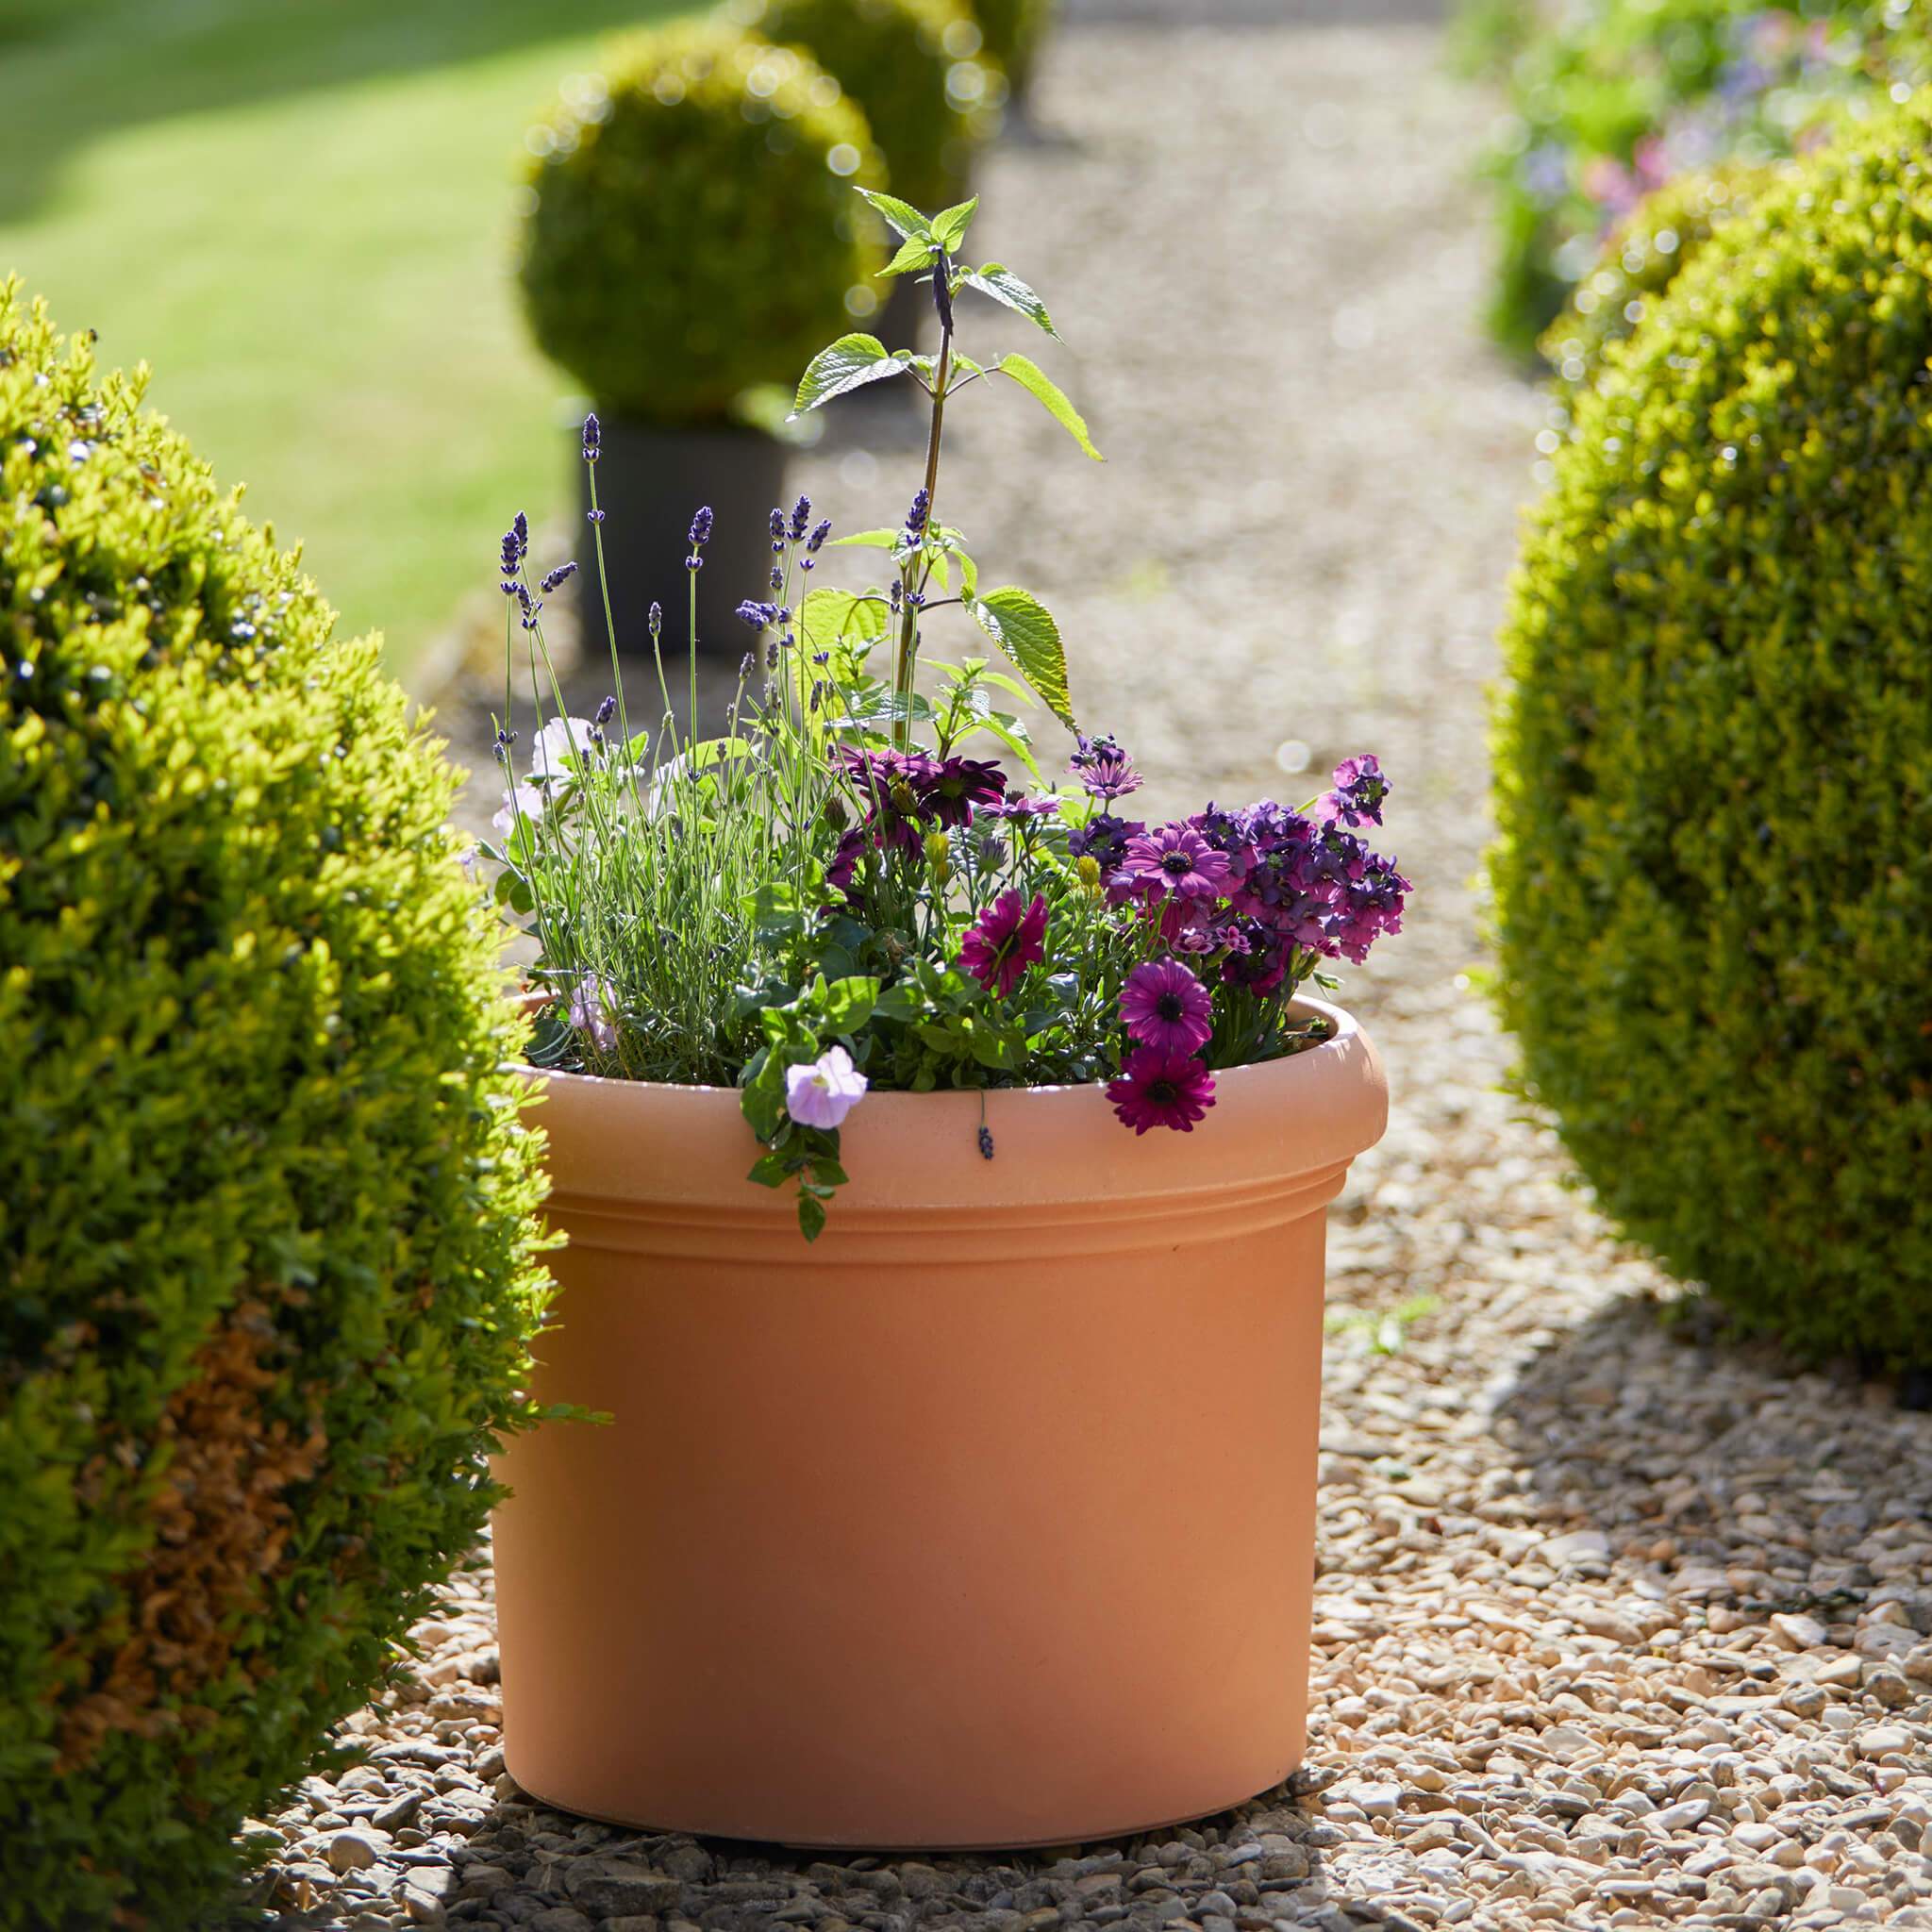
(1004, 940)
(1160, 1090)
(1163, 1004)
(957, 786)
(1176, 860)
(1105, 769)
(1018, 811)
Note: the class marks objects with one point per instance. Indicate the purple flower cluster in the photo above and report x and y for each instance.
(903, 794)
(1260, 886)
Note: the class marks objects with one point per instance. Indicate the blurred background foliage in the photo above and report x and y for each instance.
(301, 214)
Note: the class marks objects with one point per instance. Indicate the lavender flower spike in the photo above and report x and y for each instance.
(594, 438)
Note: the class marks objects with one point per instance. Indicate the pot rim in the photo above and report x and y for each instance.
(1344, 1024)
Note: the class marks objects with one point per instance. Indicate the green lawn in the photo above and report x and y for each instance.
(299, 212)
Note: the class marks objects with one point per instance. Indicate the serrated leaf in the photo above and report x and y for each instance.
(914, 253)
(828, 617)
(869, 540)
(1006, 289)
(1033, 379)
(1024, 628)
(849, 363)
(949, 225)
(904, 219)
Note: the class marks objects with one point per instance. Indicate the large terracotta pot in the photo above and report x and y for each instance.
(987, 1520)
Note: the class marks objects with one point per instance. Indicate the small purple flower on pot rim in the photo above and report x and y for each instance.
(1004, 940)
(1160, 1090)
(822, 1091)
(1163, 1004)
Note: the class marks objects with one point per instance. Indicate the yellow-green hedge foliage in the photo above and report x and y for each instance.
(1714, 784)
(267, 1274)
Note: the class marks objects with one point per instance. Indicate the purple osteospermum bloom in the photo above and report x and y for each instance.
(1018, 811)
(1104, 839)
(891, 786)
(1004, 940)
(1176, 860)
(1359, 789)
(839, 874)
(958, 786)
(1163, 1004)
(1160, 1090)
(822, 1091)
(1105, 769)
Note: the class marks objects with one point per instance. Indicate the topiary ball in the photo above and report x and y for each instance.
(266, 1225)
(1644, 254)
(913, 66)
(1014, 31)
(691, 232)
(1714, 773)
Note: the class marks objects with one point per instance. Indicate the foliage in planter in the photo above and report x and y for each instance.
(690, 233)
(1015, 31)
(1644, 254)
(1611, 99)
(265, 1220)
(928, 97)
(1714, 772)
(846, 889)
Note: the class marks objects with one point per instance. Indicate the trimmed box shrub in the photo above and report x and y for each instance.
(691, 233)
(930, 96)
(1714, 772)
(1645, 254)
(266, 1226)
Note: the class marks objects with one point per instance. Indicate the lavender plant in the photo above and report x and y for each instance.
(845, 890)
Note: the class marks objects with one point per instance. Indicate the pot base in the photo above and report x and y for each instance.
(691, 1828)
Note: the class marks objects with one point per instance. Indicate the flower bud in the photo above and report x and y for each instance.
(938, 855)
(1088, 868)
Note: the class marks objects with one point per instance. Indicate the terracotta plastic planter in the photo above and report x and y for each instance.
(987, 1520)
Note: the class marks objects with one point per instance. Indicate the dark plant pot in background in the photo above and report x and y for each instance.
(905, 316)
(650, 483)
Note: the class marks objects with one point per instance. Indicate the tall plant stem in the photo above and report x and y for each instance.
(907, 663)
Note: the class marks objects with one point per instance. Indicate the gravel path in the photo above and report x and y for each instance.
(1618, 1623)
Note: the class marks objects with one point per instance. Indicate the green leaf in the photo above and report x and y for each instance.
(913, 255)
(903, 216)
(850, 363)
(1008, 291)
(768, 1171)
(830, 617)
(848, 1004)
(871, 539)
(949, 225)
(1024, 628)
(811, 1215)
(1031, 376)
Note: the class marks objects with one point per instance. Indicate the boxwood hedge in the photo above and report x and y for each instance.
(266, 1236)
(1714, 772)
(691, 231)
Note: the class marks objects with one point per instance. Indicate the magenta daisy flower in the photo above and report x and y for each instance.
(1173, 859)
(1004, 940)
(952, 788)
(1161, 1090)
(1164, 1005)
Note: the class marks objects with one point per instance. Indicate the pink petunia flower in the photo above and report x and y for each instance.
(822, 1091)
